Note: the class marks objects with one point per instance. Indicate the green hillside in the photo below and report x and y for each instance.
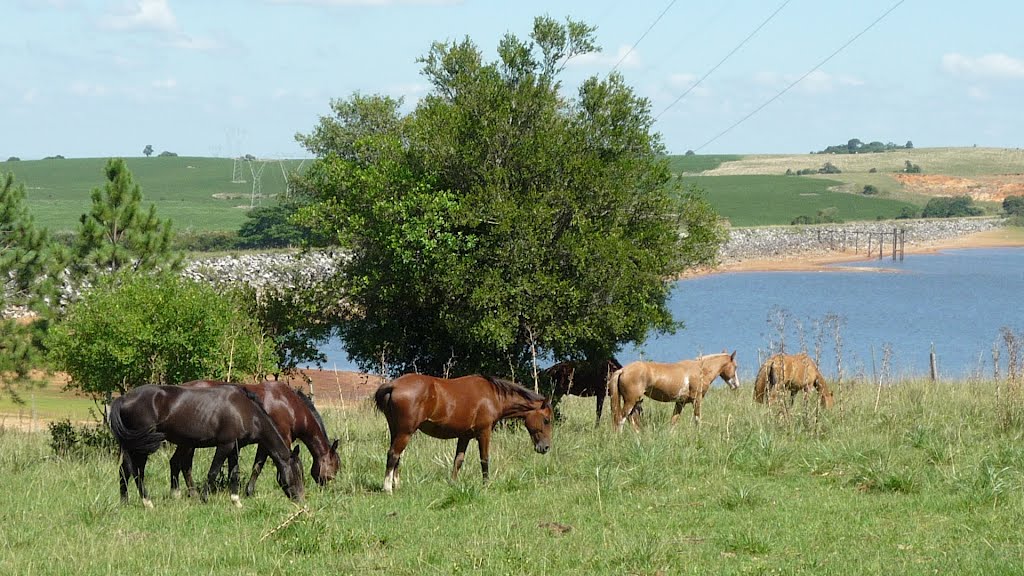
(196, 193)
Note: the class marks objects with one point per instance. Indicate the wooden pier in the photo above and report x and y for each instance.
(881, 242)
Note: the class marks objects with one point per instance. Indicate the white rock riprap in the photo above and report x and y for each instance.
(264, 270)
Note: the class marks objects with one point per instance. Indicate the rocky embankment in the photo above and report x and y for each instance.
(744, 244)
(783, 241)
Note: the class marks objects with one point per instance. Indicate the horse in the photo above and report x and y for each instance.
(582, 379)
(294, 416)
(681, 382)
(462, 408)
(226, 417)
(792, 372)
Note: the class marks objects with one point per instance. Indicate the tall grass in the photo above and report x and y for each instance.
(929, 482)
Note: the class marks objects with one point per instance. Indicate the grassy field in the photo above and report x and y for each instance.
(757, 200)
(196, 193)
(915, 478)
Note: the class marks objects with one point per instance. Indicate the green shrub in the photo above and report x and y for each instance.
(870, 190)
(954, 207)
(66, 439)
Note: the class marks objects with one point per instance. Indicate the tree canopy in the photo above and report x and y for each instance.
(501, 218)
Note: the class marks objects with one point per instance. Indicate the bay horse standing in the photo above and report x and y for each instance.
(225, 417)
(583, 379)
(793, 373)
(681, 382)
(294, 416)
(462, 408)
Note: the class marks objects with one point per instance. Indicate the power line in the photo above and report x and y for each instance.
(649, 28)
(722, 61)
(808, 73)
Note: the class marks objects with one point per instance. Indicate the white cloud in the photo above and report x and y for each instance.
(370, 2)
(683, 84)
(29, 96)
(143, 15)
(977, 93)
(624, 57)
(817, 82)
(81, 88)
(164, 84)
(995, 65)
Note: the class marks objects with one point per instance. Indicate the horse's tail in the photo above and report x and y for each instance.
(761, 383)
(613, 390)
(382, 397)
(145, 441)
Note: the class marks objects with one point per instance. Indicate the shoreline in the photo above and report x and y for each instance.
(824, 261)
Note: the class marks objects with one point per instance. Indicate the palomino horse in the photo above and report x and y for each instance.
(463, 408)
(681, 382)
(226, 417)
(294, 416)
(582, 379)
(791, 372)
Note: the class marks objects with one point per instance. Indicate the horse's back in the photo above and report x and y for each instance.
(440, 407)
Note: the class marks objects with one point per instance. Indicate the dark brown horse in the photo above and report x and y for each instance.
(792, 373)
(682, 382)
(582, 379)
(462, 408)
(295, 417)
(225, 417)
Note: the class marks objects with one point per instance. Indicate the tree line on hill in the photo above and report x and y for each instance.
(856, 146)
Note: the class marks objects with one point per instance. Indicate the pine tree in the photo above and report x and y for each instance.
(116, 233)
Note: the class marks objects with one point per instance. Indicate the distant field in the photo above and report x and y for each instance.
(196, 193)
(769, 200)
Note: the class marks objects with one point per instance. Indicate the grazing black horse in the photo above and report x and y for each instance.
(225, 417)
(581, 379)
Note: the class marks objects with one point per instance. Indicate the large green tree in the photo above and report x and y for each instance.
(502, 218)
(117, 233)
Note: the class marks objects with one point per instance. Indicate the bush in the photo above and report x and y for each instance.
(1013, 205)
(829, 168)
(869, 190)
(66, 439)
(14, 159)
(166, 154)
(873, 171)
(907, 213)
(909, 168)
(954, 207)
(206, 241)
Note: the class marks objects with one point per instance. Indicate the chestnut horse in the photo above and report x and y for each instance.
(227, 417)
(681, 382)
(793, 373)
(582, 379)
(294, 416)
(463, 408)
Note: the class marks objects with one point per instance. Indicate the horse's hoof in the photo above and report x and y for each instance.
(146, 502)
(176, 494)
(236, 500)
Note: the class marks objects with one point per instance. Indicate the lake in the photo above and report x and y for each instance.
(889, 318)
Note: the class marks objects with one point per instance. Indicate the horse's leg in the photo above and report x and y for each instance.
(483, 441)
(399, 440)
(628, 404)
(218, 461)
(460, 455)
(696, 408)
(139, 464)
(601, 393)
(676, 411)
(233, 475)
(181, 461)
(257, 467)
(186, 472)
(127, 473)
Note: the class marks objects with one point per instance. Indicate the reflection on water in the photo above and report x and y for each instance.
(956, 301)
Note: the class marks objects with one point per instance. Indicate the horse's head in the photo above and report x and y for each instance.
(289, 477)
(728, 372)
(326, 467)
(538, 423)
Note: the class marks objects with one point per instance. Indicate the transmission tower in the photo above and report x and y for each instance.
(236, 172)
(257, 183)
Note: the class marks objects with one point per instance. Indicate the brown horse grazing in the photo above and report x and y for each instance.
(462, 408)
(681, 382)
(294, 416)
(582, 379)
(792, 372)
(227, 417)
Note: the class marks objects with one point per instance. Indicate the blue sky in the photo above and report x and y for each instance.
(86, 78)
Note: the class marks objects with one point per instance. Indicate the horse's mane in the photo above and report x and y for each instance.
(312, 408)
(508, 387)
(255, 399)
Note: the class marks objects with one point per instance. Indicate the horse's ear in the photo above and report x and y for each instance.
(733, 356)
(334, 447)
